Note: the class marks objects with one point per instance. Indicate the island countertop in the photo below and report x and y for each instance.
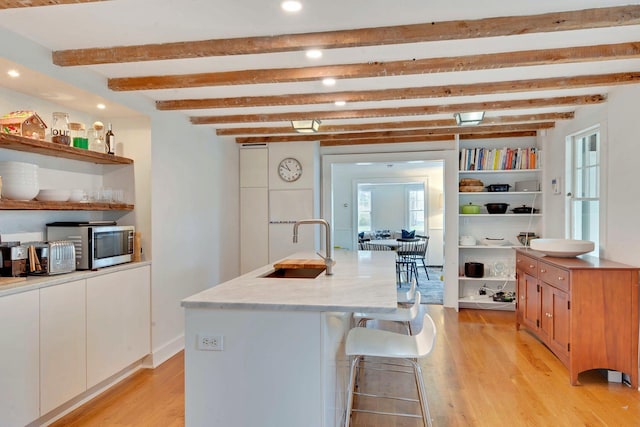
(361, 281)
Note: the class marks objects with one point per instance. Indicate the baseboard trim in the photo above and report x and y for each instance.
(160, 355)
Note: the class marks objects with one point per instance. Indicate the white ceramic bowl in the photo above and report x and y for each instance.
(563, 248)
(76, 195)
(19, 192)
(487, 241)
(47, 195)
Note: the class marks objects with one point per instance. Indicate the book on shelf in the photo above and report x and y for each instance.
(499, 158)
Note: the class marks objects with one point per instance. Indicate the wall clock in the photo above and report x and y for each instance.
(290, 169)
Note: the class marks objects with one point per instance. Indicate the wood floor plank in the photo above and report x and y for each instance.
(481, 373)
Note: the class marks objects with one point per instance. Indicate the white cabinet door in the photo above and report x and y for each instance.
(254, 164)
(118, 322)
(254, 228)
(19, 378)
(63, 363)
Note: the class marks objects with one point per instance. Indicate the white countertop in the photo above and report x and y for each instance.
(361, 281)
(37, 282)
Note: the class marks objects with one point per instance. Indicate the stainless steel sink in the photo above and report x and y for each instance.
(296, 273)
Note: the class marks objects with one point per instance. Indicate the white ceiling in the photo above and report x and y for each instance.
(133, 22)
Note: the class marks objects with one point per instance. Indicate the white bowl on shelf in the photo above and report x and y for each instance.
(19, 192)
(76, 195)
(487, 241)
(49, 195)
(563, 248)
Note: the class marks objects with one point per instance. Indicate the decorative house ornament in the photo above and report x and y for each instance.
(23, 123)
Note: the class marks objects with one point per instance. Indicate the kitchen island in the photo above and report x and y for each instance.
(279, 358)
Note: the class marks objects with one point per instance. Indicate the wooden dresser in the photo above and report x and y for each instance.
(585, 310)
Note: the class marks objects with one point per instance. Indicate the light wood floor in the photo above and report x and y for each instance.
(482, 372)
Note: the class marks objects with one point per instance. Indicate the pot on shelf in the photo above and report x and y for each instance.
(524, 209)
(474, 269)
(470, 209)
(497, 208)
(497, 187)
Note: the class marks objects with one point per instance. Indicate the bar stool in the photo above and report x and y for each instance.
(403, 315)
(407, 295)
(376, 343)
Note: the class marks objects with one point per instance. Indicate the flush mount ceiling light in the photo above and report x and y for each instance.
(470, 118)
(306, 126)
(340, 103)
(291, 6)
(329, 81)
(13, 73)
(101, 106)
(314, 53)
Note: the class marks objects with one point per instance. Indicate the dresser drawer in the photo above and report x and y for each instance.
(554, 276)
(527, 264)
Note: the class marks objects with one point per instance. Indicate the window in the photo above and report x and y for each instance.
(416, 209)
(583, 179)
(364, 210)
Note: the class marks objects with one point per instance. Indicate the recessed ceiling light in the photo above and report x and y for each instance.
(101, 106)
(363, 164)
(13, 73)
(340, 103)
(291, 6)
(416, 161)
(329, 81)
(314, 54)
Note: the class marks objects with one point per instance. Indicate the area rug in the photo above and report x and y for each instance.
(431, 290)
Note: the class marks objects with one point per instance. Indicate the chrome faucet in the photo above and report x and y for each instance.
(328, 258)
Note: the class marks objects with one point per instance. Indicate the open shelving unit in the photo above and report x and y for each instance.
(29, 145)
(499, 260)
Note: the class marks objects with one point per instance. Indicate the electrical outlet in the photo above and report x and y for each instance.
(210, 342)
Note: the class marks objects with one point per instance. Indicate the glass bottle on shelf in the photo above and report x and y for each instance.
(110, 140)
(60, 129)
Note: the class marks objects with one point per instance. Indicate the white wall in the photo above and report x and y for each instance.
(619, 129)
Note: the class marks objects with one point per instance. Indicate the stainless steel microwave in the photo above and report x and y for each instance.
(98, 244)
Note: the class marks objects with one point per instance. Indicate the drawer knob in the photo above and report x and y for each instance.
(560, 278)
(542, 270)
(531, 266)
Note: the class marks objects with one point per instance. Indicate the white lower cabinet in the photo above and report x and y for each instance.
(19, 373)
(63, 373)
(118, 322)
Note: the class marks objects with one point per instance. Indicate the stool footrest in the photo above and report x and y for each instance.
(383, 396)
(397, 414)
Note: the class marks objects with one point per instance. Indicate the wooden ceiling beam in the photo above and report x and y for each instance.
(405, 93)
(391, 140)
(13, 4)
(415, 33)
(402, 111)
(452, 130)
(275, 130)
(498, 135)
(333, 143)
(487, 61)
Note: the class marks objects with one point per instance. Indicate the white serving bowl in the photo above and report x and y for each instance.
(48, 195)
(495, 242)
(76, 195)
(19, 192)
(563, 248)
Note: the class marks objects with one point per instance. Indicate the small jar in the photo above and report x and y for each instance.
(79, 135)
(60, 129)
(96, 143)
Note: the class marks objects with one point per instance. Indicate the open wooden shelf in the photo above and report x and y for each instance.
(63, 206)
(20, 143)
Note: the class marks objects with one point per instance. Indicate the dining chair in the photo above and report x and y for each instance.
(406, 265)
(421, 253)
(368, 246)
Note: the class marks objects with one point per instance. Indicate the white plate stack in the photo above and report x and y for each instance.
(19, 180)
